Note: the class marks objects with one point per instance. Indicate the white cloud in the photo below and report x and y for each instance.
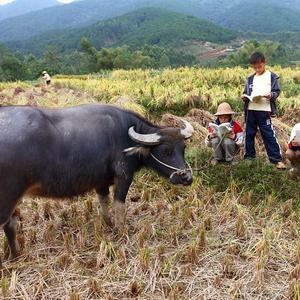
(2, 2)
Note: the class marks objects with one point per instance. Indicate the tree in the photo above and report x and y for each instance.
(141, 61)
(52, 61)
(11, 67)
(164, 61)
(34, 67)
(275, 53)
(76, 63)
(105, 59)
(91, 53)
(123, 58)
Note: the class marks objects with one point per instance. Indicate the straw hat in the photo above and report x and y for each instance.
(224, 109)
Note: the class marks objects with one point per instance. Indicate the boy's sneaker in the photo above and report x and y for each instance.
(214, 162)
(234, 162)
(249, 158)
(280, 165)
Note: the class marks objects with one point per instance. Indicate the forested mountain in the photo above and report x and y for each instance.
(20, 7)
(260, 16)
(76, 14)
(150, 26)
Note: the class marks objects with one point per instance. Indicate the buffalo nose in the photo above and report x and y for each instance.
(188, 178)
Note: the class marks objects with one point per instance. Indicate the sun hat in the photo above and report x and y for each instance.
(224, 109)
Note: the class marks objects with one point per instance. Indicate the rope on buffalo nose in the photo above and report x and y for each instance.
(177, 170)
(182, 171)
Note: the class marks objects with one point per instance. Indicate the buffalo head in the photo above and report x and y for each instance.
(164, 151)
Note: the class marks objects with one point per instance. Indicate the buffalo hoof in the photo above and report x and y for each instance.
(15, 254)
(12, 256)
(12, 253)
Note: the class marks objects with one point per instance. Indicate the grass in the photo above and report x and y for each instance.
(257, 176)
(233, 234)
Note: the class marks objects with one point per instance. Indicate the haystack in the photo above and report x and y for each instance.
(197, 117)
(201, 118)
(128, 103)
(291, 117)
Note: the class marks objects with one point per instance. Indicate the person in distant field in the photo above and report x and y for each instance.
(46, 77)
(293, 152)
(227, 147)
(265, 85)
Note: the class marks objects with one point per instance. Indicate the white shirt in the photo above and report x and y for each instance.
(294, 132)
(46, 77)
(261, 87)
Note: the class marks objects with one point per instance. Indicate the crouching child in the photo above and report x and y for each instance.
(226, 139)
(293, 152)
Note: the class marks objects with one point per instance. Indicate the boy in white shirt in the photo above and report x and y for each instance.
(264, 87)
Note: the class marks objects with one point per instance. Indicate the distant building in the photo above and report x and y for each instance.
(230, 50)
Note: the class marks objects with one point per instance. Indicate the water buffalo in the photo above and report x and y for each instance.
(61, 153)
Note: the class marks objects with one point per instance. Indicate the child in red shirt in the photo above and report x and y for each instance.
(225, 147)
(293, 152)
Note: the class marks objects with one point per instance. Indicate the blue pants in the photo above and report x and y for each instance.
(261, 120)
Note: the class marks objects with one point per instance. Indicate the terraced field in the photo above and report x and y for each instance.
(232, 234)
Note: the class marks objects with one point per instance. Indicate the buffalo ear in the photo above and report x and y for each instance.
(138, 150)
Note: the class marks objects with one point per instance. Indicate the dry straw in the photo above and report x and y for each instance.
(180, 242)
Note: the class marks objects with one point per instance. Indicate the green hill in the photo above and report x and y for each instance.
(151, 26)
(20, 7)
(268, 16)
(262, 17)
(76, 14)
(87, 12)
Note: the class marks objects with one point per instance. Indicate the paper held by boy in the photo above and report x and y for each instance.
(254, 98)
(221, 130)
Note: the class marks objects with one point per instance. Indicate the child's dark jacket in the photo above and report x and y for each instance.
(275, 91)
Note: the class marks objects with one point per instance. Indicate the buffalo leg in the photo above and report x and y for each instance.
(103, 196)
(10, 194)
(120, 193)
(10, 229)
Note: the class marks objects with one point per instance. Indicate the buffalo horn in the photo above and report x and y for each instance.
(145, 139)
(188, 130)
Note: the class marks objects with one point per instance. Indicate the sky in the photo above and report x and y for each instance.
(2, 2)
